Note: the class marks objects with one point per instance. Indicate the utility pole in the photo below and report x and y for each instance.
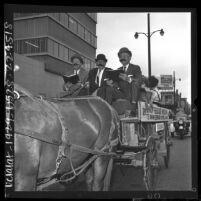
(174, 91)
(149, 45)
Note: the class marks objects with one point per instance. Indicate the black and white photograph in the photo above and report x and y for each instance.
(100, 103)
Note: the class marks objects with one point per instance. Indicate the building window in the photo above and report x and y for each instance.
(56, 49)
(29, 46)
(65, 20)
(87, 36)
(50, 46)
(61, 52)
(42, 44)
(93, 40)
(73, 25)
(66, 54)
(80, 30)
(62, 18)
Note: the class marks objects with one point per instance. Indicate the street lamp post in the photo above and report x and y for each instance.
(149, 44)
(148, 35)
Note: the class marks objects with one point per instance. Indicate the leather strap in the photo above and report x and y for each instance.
(38, 136)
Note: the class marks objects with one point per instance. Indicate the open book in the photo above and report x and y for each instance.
(113, 74)
(71, 78)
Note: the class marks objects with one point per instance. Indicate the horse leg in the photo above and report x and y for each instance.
(89, 178)
(27, 156)
(100, 168)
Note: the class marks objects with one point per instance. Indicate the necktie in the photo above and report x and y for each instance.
(124, 69)
(97, 77)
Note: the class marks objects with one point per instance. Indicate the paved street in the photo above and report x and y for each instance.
(178, 176)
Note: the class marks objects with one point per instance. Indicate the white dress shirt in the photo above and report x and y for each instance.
(126, 67)
(77, 71)
(99, 75)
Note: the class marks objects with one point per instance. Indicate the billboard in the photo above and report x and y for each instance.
(166, 82)
(154, 113)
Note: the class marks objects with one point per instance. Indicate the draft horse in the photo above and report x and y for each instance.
(57, 139)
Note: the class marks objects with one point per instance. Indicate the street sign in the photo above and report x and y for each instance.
(166, 82)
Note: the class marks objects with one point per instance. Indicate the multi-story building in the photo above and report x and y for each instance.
(52, 38)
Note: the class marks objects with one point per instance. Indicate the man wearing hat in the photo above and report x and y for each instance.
(78, 88)
(97, 75)
(129, 86)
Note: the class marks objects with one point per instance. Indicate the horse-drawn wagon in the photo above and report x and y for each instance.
(143, 139)
(58, 139)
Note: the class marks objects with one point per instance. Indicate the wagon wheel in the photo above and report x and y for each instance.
(148, 167)
(108, 175)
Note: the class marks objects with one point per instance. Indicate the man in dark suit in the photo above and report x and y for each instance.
(96, 76)
(129, 86)
(78, 88)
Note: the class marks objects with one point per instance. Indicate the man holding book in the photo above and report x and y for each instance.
(74, 83)
(128, 86)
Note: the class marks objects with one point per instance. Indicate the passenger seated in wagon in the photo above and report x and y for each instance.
(150, 93)
(73, 87)
(123, 93)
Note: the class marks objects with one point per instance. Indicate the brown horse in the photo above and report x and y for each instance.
(88, 122)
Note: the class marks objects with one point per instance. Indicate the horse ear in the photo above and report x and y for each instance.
(16, 68)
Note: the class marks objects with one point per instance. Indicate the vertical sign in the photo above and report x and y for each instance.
(9, 102)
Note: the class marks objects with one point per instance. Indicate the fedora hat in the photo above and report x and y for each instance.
(124, 49)
(101, 57)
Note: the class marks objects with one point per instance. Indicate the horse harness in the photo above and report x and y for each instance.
(64, 144)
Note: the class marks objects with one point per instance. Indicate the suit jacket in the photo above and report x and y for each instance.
(92, 79)
(124, 86)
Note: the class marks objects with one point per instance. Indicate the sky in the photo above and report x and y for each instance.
(170, 52)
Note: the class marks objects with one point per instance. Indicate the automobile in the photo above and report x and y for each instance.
(181, 125)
